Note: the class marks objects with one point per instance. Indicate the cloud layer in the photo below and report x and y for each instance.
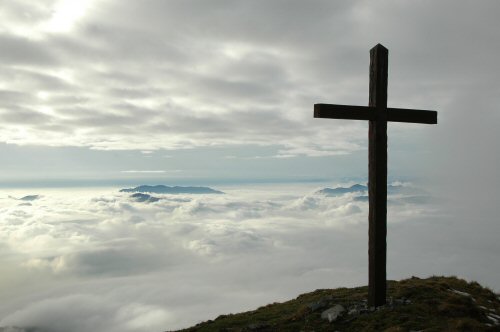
(163, 75)
(183, 74)
(104, 261)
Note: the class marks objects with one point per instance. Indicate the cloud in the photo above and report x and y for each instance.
(188, 83)
(84, 312)
(197, 77)
(182, 74)
(106, 262)
(20, 51)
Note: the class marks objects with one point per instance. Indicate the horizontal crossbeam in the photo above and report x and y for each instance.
(412, 116)
(348, 112)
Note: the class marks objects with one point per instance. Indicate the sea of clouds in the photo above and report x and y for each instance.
(98, 260)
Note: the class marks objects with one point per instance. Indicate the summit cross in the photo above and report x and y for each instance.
(377, 113)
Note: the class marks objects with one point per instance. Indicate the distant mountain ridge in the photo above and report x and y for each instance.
(27, 198)
(162, 189)
(342, 190)
(359, 188)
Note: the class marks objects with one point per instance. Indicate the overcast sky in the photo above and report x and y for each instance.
(96, 89)
(96, 92)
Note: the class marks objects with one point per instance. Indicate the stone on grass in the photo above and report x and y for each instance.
(333, 313)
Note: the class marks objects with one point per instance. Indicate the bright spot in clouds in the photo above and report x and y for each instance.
(43, 95)
(67, 13)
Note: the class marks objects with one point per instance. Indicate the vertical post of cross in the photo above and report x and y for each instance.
(377, 177)
(378, 114)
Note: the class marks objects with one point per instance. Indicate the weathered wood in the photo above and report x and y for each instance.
(329, 111)
(412, 116)
(377, 177)
(332, 111)
(377, 114)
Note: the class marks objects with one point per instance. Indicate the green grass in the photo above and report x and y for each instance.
(432, 306)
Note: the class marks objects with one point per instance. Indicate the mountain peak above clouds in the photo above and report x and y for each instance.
(162, 189)
(359, 188)
(338, 191)
(27, 198)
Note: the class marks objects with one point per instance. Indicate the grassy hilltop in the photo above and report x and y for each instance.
(433, 304)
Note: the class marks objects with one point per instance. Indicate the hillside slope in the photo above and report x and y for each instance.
(432, 304)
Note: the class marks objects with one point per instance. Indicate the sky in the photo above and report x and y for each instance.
(100, 89)
(118, 93)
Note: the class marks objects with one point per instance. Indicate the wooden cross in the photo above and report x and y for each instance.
(378, 114)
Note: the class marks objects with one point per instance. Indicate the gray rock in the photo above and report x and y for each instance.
(333, 313)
